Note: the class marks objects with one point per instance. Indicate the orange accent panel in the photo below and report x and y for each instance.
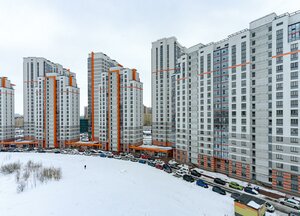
(45, 91)
(151, 149)
(284, 54)
(159, 143)
(54, 113)
(165, 70)
(3, 82)
(93, 94)
(234, 66)
(71, 80)
(76, 144)
(134, 74)
(119, 111)
(183, 78)
(108, 112)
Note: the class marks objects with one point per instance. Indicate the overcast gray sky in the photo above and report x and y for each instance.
(66, 31)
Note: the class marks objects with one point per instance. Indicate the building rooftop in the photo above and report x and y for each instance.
(250, 201)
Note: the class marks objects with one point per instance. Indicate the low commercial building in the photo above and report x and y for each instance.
(247, 205)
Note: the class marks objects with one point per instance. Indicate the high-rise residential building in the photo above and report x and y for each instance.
(120, 109)
(32, 69)
(98, 63)
(164, 55)
(237, 103)
(51, 103)
(7, 110)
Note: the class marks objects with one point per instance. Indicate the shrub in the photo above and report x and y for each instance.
(10, 168)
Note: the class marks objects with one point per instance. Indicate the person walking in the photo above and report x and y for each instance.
(84, 166)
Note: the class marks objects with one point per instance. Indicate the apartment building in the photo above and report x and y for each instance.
(247, 103)
(98, 63)
(164, 55)
(120, 109)
(7, 110)
(51, 103)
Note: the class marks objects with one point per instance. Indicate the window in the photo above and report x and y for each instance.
(294, 149)
(279, 148)
(294, 32)
(294, 65)
(294, 159)
(294, 168)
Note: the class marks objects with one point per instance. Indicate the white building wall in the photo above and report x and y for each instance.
(7, 110)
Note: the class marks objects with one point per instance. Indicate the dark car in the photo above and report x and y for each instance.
(134, 159)
(102, 155)
(195, 173)
(41, 151)
(151, 164)
(219, 181)
(201, 183)
(167, 168)
(142, 161)
(188, 178)
(235, 195)
(219, 190)
(250, 190)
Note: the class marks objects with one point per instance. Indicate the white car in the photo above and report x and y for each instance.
(181, 172)
(290, 202)
(172, 162)
(117, 157)
(270, 207)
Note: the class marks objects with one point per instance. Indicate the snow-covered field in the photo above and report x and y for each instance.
(107, 187)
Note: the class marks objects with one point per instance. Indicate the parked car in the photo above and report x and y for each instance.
(219, 181)
(184, 167)
(188, 178)
(201, 183)
(102, 155)
(195, 173)
(167, 168)
(270, 207)
(181, 172)
(236, 186)
(250, 190)
(41, 151)
(219, 190)
(174, 166)
(235, 195)
(134, 160)
(150, 163)
(294, 214)
(142, 161)
(117, 157)
(290, 202)
(159, 166)
(145, 156)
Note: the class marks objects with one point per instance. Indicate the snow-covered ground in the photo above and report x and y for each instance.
(107, 187)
